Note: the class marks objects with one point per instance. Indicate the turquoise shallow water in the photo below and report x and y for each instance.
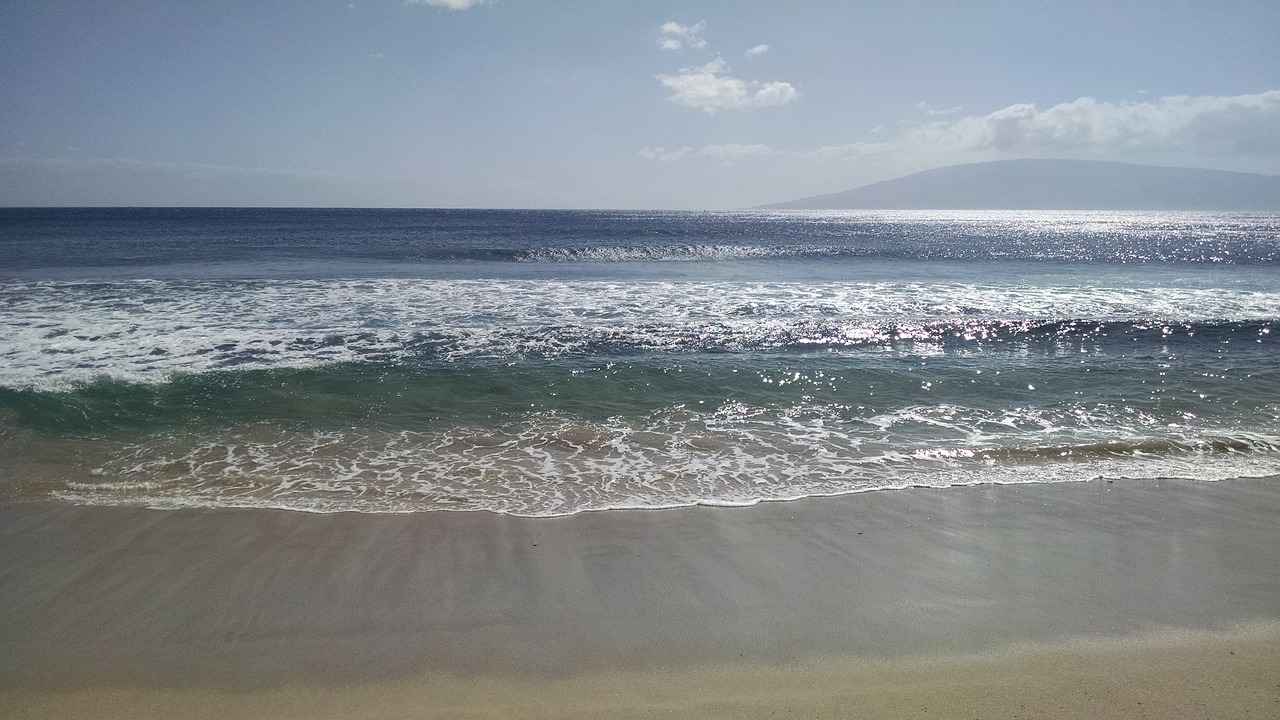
(555, 362)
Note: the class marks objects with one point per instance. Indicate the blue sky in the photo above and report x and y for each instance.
(609, 104)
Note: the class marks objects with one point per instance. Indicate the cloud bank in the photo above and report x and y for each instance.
(1238, 125)
(1233, 124)
(856, 150)
(662, 154)
(734, 150)
(450, 4)
(727, 151)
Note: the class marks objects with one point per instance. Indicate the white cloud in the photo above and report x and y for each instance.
(708, 87)
(857, 149)
(451, 4)
(661, 154)
(727, 151)
(1240, 125)
(1234, 124)
(734, 150)
(676, 36)
(930, 110)
(774, 93)
(757, 50)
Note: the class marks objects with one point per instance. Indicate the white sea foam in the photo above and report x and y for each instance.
(550, 465)
(56, 334)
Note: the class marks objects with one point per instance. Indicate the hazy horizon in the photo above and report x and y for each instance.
(663, 105)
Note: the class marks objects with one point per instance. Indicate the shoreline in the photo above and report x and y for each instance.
(260, 613)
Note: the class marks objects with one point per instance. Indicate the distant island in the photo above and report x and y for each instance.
(1056, 185)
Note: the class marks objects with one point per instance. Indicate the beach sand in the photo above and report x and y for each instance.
(1125, 599)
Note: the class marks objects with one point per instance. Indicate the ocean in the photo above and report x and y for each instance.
(545, 363)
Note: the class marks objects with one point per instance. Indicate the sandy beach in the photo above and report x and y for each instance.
(1124, 599)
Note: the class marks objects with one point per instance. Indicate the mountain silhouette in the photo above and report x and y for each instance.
(1056, 185)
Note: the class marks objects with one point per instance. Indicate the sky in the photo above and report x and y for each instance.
(646, 104)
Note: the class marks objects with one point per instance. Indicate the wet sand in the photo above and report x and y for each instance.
(1069, 600)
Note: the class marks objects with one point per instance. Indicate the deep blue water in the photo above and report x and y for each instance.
(546, 362)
